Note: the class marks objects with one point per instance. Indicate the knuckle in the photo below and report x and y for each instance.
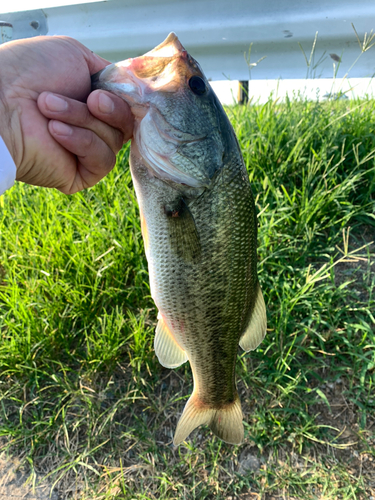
(84, 117)
(88, 140)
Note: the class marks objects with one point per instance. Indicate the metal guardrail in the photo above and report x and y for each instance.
(272, 34)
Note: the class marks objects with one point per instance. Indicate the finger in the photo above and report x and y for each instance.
(76, 113)
(95, 157)
(112, 110)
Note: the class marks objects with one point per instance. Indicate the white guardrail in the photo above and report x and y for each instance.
(219, 32)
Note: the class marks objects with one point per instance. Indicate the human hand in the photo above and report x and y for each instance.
(66, 144)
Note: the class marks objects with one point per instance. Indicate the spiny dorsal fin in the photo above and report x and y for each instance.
(255, 330)
(169, 353)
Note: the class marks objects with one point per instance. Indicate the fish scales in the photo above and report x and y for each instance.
(204, 298)
(199, 225)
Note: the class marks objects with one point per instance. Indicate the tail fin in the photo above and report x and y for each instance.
(226, 422)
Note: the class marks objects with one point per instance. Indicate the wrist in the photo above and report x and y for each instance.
(10, 129)
(10, 115)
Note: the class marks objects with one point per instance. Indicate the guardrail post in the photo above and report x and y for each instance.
(6, 32)
(243, 92)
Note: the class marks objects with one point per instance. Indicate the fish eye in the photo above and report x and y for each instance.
(197, 85)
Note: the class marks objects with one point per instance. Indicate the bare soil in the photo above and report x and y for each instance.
(17, 483)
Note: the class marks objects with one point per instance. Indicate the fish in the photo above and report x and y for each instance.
(199, 226)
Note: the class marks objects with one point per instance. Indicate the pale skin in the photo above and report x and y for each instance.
(59, 134)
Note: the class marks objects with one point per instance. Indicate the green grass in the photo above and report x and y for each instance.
(82, 396)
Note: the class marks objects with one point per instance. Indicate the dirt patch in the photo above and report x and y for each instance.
(353, 445)
(16, 483)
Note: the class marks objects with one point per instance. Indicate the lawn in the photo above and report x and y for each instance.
(83, 398)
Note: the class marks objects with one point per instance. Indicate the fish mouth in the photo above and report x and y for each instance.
(166, 68)
(121, 82)
(115, 78)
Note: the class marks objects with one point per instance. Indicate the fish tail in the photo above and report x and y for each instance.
(226, 422)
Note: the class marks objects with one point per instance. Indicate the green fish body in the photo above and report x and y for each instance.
(199, 227)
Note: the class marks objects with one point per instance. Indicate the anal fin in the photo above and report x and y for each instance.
(255, 330)
(169, 353)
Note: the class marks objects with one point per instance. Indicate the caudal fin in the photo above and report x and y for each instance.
(226, 422)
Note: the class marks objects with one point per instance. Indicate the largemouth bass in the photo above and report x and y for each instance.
(199, 227)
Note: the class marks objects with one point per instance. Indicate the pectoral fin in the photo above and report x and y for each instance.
(183, 232)
(169, 353)
(256, 328)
